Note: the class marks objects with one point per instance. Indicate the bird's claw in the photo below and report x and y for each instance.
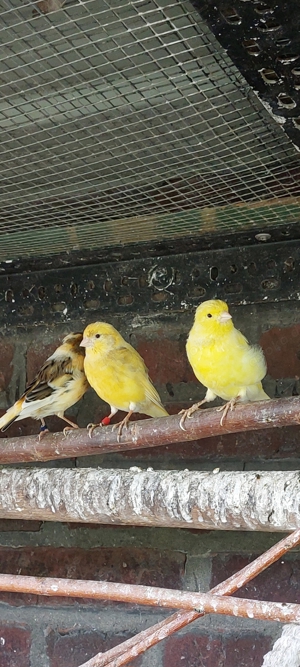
(225, 409)
(123, 424)
(66, 429)
(91, 427)
(104, 422)
(42, 432)
(223, 417)
(187, 414)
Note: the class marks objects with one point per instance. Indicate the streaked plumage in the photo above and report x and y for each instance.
(59, 384)
(222, 359)
(118, 374)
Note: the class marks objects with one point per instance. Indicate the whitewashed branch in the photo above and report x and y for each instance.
(286, 650)
(267, 501)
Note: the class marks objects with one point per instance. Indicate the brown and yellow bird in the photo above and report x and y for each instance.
(118, 374)
(59, 384)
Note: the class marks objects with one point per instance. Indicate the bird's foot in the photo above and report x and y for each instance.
(121, 425)
(69, 428)
(186, 414)
(104, 422)
(91, 427)
(43, 430)
(225, 408)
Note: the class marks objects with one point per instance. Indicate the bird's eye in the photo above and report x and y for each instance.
(209, 315)
(97, 335)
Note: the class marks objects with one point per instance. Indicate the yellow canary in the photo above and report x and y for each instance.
(118, 374)
(59, 384)
(222, 359)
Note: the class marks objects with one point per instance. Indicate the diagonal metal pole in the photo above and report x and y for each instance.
(130, 649)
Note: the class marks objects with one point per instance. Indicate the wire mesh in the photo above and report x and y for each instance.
(126, 121)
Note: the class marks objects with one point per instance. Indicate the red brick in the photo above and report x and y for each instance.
(216, 650)
(15, 642)
(165, 359)
(282, 351)
(147, 567)
(6, 356)
(70, 648)
(279, 583)
(37, 355)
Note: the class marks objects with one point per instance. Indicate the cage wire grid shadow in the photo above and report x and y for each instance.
(127, 121)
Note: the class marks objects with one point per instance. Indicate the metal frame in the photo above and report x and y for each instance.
(263, 41)
(159, 284)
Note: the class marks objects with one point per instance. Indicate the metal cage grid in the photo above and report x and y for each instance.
(127, 121)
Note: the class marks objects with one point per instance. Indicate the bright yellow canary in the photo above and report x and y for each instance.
(59, 384)
(222, 359)
(118, 374)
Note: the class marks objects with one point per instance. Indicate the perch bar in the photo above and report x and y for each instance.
(267, 501)
(151, 432)
(131, 648)
(153, 596)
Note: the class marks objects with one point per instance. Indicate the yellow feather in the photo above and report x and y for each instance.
(221, 357)
(118, 373)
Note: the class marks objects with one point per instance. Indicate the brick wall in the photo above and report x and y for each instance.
(41, 632)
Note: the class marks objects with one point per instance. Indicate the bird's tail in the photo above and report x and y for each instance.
(10, 416)
(256, 393)
(156, 410)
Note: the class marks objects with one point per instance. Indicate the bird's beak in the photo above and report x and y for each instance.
(86, 342)
(224, 317)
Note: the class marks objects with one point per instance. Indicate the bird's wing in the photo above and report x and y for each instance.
(130, 362)
(151, 393)
(240, 339)
(128, 359)
(53, 374)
